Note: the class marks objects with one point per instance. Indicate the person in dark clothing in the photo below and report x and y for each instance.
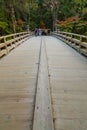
(43, 32)
(36, 32)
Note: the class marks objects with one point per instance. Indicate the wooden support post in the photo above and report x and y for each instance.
(5, 44)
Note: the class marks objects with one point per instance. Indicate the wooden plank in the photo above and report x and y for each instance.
(18, 72)
(43, 114)
(68, 80)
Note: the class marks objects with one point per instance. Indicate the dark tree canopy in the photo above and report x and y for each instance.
(15, 15)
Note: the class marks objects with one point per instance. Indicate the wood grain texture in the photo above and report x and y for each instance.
(68, 81)
(18, 72)
(43, 119)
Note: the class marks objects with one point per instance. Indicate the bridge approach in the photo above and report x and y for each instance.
(43, 86)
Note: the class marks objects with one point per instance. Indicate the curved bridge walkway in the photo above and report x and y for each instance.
(43, 86)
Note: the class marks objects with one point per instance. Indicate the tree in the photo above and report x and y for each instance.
(38, 13)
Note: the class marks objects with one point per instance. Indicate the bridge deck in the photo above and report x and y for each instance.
(18, 72)
(67, 75)
(68, 81)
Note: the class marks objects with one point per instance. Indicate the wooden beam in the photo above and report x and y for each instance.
(43, 119)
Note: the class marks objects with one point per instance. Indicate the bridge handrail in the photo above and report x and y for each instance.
(9, 42)
(77, 41)
(67, 33)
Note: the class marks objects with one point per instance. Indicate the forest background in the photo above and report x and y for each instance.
(64, 15)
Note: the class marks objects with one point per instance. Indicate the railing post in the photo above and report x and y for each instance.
(5, 44)
(80, 43)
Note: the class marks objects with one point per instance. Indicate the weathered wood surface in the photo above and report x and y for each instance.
(9, 42)
(43, 119)
(68, 81)
(67, 72)
(18, 72)
(78, 42)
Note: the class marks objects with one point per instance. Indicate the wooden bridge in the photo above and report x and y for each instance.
(43, 82)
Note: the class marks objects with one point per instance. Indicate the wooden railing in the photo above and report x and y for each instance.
(9, 42)
(78, 42)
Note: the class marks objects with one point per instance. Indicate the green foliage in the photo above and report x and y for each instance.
(41, 12)
(3, 25)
